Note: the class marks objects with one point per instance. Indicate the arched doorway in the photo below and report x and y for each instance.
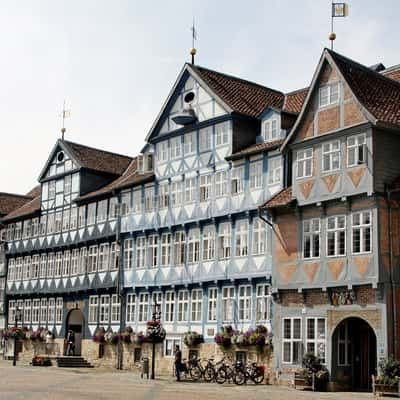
(353, 354)
(75, 324)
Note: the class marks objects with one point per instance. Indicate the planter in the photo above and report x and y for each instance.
(302, 383)
(381, 388)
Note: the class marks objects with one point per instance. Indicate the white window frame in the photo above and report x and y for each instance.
(196, 305)
(183, 306)
(163, 195)
(104, 309)
(92, 259)
(169, 347)
(316, 341)
(263, 303)
(193, 246)
(304, 163)
(169, 306)
(190, 190)
(190, 143)
(205, 188)
(221, 184)
(274, 170)
(241, 238)
(128, 254)
(312, 232)
(237, 180)
(336, 230)
(93, 316)
(363, 228)
(115, 308)
(292, 340)
(245, 295)
(51, 312)
(152, 246)
(166, 243)
(205, 139)
(259, 237)
(143, 306)
(59, 310)
(141, 252)
(27, 312)
(179, 247)
(228, 303)
(103, 257)
(35, 311)
(176, 193)
(208, 243)
(270, 129)
(256, 174)
(212, 304)
(358, 148)
(329, 94)
(130, 307)
(175, 147)
(224, 241)
(222, 133)
(331, 155)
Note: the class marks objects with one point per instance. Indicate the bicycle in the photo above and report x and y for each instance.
(224, 372)
(197, 371)
(250, 371)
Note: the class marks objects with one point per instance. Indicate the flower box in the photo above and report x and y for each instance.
(300, 381)
(384, 388)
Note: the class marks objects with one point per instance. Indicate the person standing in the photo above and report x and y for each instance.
(70, 343)
(178, 363)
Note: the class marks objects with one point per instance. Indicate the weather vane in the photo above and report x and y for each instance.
(339, 10)
(65, 114)
(193, 50)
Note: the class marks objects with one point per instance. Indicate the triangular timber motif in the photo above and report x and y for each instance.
(311, 270)
(362, 264)
(356, 175)
(330, 181)
(336, 268)
(306, 188)
(286, 272)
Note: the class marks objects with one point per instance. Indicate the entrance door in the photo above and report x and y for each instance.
(75, 324)
(353, 354)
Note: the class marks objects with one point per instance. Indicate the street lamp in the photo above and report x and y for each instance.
(18, 317)
(155, 334)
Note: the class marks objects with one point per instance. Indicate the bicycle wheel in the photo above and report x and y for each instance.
(195, 373)
(257, 378)
(209, 374)
(239, 377)
(222, 375)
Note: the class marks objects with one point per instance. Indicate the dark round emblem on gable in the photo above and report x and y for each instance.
(189, 97)
(60, 156)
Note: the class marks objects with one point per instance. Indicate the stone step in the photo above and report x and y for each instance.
(73, 362)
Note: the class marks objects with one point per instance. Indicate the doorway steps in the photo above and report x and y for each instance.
(72, 362)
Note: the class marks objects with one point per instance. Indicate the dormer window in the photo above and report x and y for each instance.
(329, 94)
(270, 129)
(145, 163)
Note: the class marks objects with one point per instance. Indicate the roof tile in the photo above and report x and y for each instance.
(281, 199)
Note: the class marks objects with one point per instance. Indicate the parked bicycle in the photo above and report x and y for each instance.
(197, 370)
(251, 371)
(224, 372)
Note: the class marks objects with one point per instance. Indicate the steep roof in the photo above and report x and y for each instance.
(98, 160)
(281, 199)
(26, 209)
(294, 100)
(240, 95)
(255, 148)
(11, 201)
(392, 72)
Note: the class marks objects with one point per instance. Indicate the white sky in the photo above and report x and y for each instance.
(114, 61)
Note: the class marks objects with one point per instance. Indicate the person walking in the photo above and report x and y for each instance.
(70, 343)
(178, 363)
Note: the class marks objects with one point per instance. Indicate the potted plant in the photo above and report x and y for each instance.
(192, 339)
(314, 375)
(99, 335)
(388, 380)
(224, 338)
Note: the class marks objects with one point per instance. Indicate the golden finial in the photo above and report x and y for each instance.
(193, 50)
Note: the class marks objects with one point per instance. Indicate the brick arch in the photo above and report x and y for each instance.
(368, 319)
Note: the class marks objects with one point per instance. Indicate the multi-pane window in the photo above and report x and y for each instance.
(237, 181)
(92, 259)
(59, 263)
(244, 299)
(263, 303)
(331, 156)
(361, 232)
(50, 265)
(212, 304)
(336, 236)
(270, 129)
(205, 139)
(74, 218)
(11, 311)
(292, 341)
(259, 237)
(130, 307)
(169, 306)
(220, 184)
(66, 263)
(83, 260)
(162, 151)
(224, 241)
(137, 201)
(81, 216)
(163, 195)
(58, 222)
(190, 190)
(179, 248)
(315, 337)
(166, 249)
(176, 194)
(176, 147)
(153, 250)
(35, 311)
(311, 238)
(91, 214)
(65, 219)
(208, 243)
(149, 198)
(104, 316)
(141, 252)
(27, 268)
(27, 312)
(113, 210)
(114, 256)
(274, 170)
(35, 267)
(228, 303)
(102, 211)
(241, 238)
(193, 246)
(256, 174)
(143, 307)
(190, 143)
(196, 304)
(115, 308)
(35, 227)
(183, 305)
(104, 251)
(59, 310)
(43, 312)
(344, 344)
(222, 132)
(51, 313)
(304, 160)
(356, 150)
(156, 302)
(170, 344)
(93, 309)
(11, 270)
(125, 203)
(26, 232)
(18, 268)
(74, 261)
(205, 187)
(329, 94)
(128, 253)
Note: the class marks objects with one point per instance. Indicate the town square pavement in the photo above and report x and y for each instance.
(31, 383)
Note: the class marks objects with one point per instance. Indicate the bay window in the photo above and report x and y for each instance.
(336, 236)
(361, 232)
(311, 238)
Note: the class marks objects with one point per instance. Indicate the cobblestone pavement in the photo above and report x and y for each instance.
(27, 383)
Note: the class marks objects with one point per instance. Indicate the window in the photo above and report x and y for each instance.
(263, 301)
(190, 143)
(50, 265)
(259, 237)
(35, 311)
(344, 344)
(220, 184)
(104, 251)
(18, 268)
(212, 304)
(315, 337)
(115, 308)
(104, 309)
(170, 344)
(183, 305)
(176, 194)
(205, 187)
(73, 218)
(140, 252)
(331, 156)
(143, 307)
(153, 250)
(356, 150)
(35, 226)
(137, 201)
(176, 147)
(59, 310)
(228, 302)
(83, 260)
(11, 311)
(205, 138)
(66, 263)
(329, 94)
(113, 212)
(208, 243)
(256, 175)
(128, 253)
(82, 216)
(17, 232)
(224, 241)
(67, 184)
(156, 302)
(162, 151)
(93, 309)
(196, 305)
(169, 306)
(270, 129)
(130, 307)
(102, 211)
(42, 267)
(11, 270)
(65, 219)
(114, 256)
(91, 215)
(125, 203)
(336, 236)
(274, 170)
(304, 163)
(222, 132)
(59, 262)
(35, 267)
(26, 232)
(74, 261)
(190, 190)
(166, 249)
(43, 312)
(58, 222)
(51, 311)
(311, 238)
(149, 199)
(50, 223)
(241, 236)
(193, 246)
(361, 232)
(27, 312)
(92, 259)
(179, 247)
(292, 351)
(244, 303)
(163, 196)
(237, 182)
